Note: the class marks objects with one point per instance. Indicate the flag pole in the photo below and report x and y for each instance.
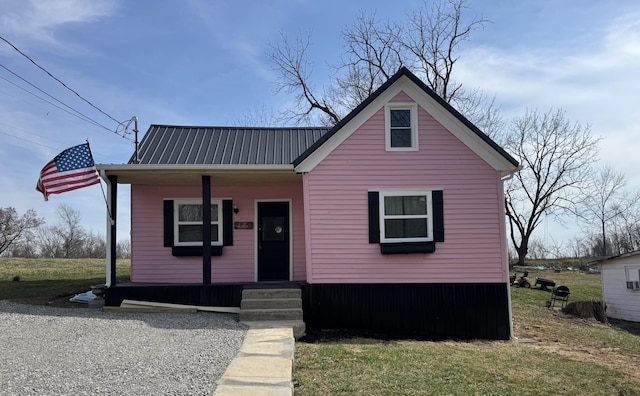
(135, 134)
(104, 195)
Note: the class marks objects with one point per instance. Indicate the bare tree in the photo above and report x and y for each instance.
(556, 157)
(605, 201)
(290, 60)
(49, 242)
(70, 231)
(26, 246)
(537, 249)
(433, 37)
(427, 42)
(628, 224)
(257, 117)
(68, 239)
(14, 227)
(123, 249)
(372, 52)
(578, 247)
(93, 246)
(621, 231)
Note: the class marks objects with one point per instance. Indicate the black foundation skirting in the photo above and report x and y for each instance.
(433, 311)
(429, 310)
(218, 295)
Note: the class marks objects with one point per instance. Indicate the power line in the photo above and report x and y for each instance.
(122, 125)
(77, 113)
(22, 131)
(58, 80)
(27, 140)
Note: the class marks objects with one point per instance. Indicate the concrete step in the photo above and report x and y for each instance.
(298, 326)
(270, 314)
(270, 303)
(271, 293)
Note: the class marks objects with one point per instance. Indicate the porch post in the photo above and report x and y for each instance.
(206, 230)
(113, 208)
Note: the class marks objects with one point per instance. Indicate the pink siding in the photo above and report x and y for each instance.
(336, 207)
(151, 262)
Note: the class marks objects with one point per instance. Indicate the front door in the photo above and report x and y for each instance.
(273, 241)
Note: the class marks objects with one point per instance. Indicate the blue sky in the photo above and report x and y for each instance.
(204, 63)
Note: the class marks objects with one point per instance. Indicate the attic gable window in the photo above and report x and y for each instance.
(401, 127)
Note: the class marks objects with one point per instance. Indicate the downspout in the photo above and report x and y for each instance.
(109, 236)
(505, 178)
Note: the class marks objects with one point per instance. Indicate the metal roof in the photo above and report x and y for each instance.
(183, 145)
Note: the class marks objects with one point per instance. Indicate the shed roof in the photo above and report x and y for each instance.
(610, 259)
(192, 145)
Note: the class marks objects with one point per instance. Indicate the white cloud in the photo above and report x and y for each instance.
(624, 35)
(38, 19)
(597, 85)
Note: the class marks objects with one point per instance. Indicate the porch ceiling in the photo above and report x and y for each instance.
(219, 177)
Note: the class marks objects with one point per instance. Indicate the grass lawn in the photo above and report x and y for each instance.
(571, 356)
(52, 281)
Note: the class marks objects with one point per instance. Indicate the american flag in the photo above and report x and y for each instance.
(71, 169)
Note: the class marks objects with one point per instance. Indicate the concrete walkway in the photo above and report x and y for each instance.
(263, 365)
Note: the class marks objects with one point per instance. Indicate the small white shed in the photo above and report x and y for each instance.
(621, 286)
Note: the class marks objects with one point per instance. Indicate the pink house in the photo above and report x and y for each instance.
(392, 220)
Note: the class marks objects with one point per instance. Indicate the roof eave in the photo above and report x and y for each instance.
(236, 175)
(193, 167)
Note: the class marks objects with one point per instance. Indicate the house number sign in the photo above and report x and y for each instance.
(243, 225)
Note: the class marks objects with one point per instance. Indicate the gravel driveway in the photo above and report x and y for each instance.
(83, 351)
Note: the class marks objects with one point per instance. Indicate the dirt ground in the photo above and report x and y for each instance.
(544, 328)
(63, 302)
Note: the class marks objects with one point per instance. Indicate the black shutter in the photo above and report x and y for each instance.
(168, 222)
(438, 216)
(227, 222)
(374, 217)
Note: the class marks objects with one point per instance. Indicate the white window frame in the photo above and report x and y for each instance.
(413, 108)
(177, 223)
(404, 193)
(632, 275)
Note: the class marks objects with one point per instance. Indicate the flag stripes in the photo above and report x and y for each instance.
(72, 169)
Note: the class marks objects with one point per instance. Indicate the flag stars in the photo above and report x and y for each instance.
(74, 158)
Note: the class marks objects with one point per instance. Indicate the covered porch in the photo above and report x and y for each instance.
(242, 186)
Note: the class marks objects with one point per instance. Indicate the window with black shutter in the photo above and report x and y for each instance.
(406, 221)
(183, 226)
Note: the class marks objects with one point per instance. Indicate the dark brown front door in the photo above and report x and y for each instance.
(273, 241)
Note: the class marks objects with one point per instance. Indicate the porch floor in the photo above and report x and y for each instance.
(215, 294)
